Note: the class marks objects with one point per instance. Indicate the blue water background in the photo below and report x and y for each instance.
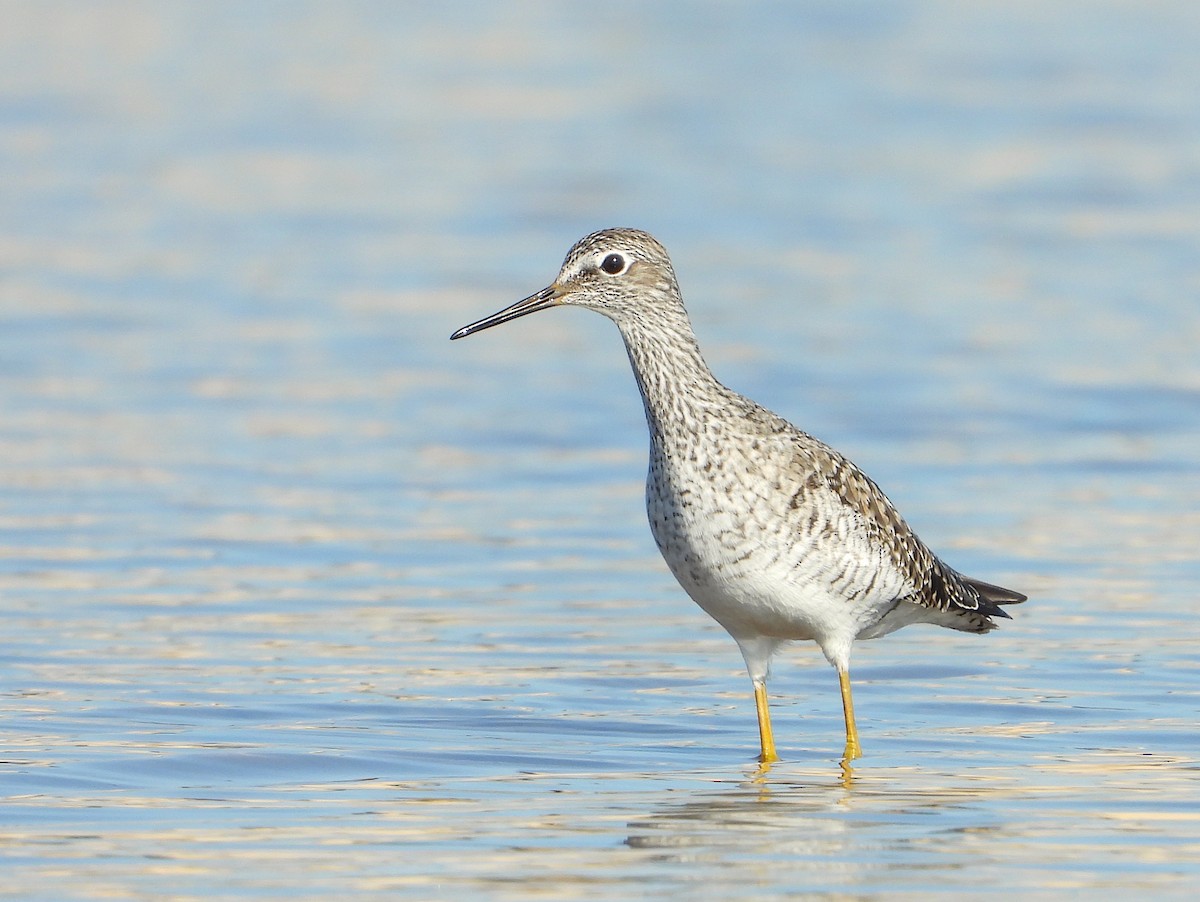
(301, 600)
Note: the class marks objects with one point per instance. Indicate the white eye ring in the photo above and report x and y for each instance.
(614, 264)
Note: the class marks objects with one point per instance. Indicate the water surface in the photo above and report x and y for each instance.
(300, 599)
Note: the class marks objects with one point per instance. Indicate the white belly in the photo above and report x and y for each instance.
(764, 571)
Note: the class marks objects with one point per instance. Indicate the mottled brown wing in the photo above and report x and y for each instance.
(936, 584)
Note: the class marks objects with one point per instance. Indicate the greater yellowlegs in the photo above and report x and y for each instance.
(773, 533)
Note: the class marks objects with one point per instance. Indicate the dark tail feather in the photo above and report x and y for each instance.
(991, 597)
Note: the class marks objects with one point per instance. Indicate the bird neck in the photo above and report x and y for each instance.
(675, 382)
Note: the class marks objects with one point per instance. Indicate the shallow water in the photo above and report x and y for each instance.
(301, 599)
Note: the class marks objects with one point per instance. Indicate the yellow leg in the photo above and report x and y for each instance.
(853, 749)
(764, 724)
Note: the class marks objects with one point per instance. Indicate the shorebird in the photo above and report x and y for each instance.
(777, 536)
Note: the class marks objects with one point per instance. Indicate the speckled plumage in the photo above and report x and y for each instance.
(773, 533)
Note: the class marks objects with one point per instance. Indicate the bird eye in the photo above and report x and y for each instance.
(613, 264)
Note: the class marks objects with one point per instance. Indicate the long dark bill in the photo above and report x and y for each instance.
(547, 297)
